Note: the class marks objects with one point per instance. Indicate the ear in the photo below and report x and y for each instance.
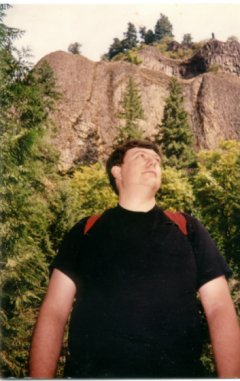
(116, 172)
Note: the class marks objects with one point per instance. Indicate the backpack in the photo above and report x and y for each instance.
(177, 217)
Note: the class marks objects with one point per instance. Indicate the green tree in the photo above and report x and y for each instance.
(163, 28)
(147, 35)
(130, 40)
(131, 112)
(187, 39)
(174, 135)
(176, 192)
(116, 48)
(27, 174)
(75, 48)
(91, 191)
(216, 187)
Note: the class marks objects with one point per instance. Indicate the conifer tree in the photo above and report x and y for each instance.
(115, 48)
(174, 135)
(120, 46)
(130, 40)
(147, 35)
(131, 112)
(75, 48)
(163, 28)
(27, 171)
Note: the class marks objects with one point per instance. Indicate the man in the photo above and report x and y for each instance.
(134, 277)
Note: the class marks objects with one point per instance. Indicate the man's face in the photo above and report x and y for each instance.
(140, 169)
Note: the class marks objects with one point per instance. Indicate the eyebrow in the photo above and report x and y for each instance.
(154, 154)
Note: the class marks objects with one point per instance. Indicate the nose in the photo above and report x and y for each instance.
(151, 162)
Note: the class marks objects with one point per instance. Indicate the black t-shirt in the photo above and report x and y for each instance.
(135, 313)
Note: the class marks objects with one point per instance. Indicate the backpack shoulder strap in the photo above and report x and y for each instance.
(179, 219)
(176, 217)
(90, 222)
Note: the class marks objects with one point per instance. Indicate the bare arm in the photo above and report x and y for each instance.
(49, 330)
(223, 326)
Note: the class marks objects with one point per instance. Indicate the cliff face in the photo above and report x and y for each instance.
(86, 115)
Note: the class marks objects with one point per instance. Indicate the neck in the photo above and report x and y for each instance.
(137, 204)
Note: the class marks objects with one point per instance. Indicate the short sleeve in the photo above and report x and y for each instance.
(67, 256)
(210, 263)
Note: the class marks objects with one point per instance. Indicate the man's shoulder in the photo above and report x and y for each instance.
(89, 221)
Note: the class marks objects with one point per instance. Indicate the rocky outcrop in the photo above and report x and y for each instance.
(214, 56)
(86, 116)
(152, 59)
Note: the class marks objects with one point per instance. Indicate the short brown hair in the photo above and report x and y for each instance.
(117, 156)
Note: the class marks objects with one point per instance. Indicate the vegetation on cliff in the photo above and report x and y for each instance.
(161, 37)
(174, 133)
(130, 113)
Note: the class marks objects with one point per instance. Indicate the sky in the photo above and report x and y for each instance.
(54, 25)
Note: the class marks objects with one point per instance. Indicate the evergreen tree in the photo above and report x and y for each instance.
(187, 39)
(175, 136)
(130, 40)
(163, 28)
(116, 48)
(27, 172)
(75, 48)
(131, 112)
(147, 35)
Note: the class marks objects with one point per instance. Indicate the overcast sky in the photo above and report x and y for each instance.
(54, 25)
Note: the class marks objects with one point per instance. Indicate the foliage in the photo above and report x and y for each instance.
(176, 192)
(182, 52)
(132, 57)
(163, 45)
(174, 134)
(7, 34)
(163, 28)
(83, 193)
(216, 187)
(130, 40)
(215, 68)
(187, 39)
(27, 174)
(129, 56)
(115, 48)
(120, 46)
(147, 36)
(161, 37)
(75, 48)
(131, 112)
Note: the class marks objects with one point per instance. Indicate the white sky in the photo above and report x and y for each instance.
(53, 25)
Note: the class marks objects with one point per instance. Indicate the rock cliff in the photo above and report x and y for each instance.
(86, 115)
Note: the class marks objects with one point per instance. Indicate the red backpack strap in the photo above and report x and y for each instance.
(176, 217)
(90, 222)
(179, 219)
